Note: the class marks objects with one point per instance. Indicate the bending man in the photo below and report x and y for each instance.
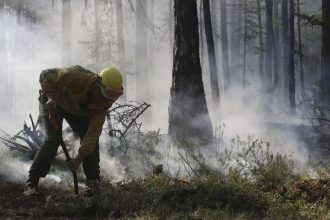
(81, 98)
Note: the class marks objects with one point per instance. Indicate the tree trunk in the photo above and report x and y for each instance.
(326, 50)
(224, 44)
(301, 62)
(245, 44)
(286, 45)
(292, 80)
(66, 33)
(214, 11)
(4, 74)
(141, 48)
(33, 42)
(151, 38)
(96, 32)
(276, 45)
(211, 54)
(269, 44)
(170, 19)
(261, 43)
(201, 33)
(3, 60)
(121, 45)
(151, 46)
(18, 44)
(235, 39)
(188, 113)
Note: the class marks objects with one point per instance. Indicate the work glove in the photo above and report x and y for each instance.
(50, 104)
(73, 164)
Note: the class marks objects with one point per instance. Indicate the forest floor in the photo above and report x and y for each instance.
(160, 197)
(271, 190)
(14, 205)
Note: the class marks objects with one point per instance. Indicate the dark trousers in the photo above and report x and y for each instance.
(46, 154)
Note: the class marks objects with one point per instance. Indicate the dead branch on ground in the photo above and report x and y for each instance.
(122, 122)
(26, 141)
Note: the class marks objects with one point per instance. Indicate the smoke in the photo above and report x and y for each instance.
(13, 168)
(31, 48)
(250, 112)
(28, 51)
(111, 168)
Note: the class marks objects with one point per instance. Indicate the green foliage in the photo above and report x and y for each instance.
(274, 172)
(296, 209)
(212, 197)
(311, 20)
(258, 185)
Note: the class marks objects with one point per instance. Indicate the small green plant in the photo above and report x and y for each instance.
(243, 181)
(274, 172)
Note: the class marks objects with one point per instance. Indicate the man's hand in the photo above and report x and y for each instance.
(73, 164)
(50, 104)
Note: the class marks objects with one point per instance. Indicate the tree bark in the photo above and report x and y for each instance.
(224, 44)
(286, 46)
(4, 75)
(269, 44)
(214, 12)
(211, 53)
(3, 60)
(171, 34)
(151, 38)
(261, 43)
(66, 33)
(201, 33)
(96, 32)
(301, 61)
(292, 80)
(325, 77)
(245, 44)
(235, 39)
(121, 45)
(188, 113)
(141, 51)
(151, 46)
(276, 44)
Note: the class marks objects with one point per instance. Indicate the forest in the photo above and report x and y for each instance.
(225, 112)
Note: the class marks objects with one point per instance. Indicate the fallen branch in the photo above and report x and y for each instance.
(122, 121)
(27, 141)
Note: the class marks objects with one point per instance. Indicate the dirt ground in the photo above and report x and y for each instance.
(13, 205)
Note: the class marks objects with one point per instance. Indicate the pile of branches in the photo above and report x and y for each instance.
(26, 141)
(121, 122)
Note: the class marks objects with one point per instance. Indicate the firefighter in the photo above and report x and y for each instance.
(81, 98)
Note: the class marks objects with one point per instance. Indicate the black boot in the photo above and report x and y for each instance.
(92, 188)
(31, 186)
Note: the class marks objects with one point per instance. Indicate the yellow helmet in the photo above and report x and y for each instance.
(111, 77)
(111, 83)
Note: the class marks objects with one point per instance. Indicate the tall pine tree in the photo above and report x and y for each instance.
(326, 49)
(188, 113)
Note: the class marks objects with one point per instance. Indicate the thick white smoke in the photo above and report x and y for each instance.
(242, 112)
